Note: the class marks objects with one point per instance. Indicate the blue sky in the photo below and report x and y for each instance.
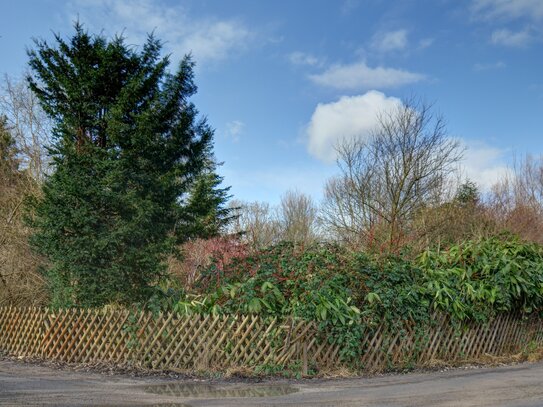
(282, 81)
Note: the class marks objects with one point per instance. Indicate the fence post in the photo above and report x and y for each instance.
(304, 358)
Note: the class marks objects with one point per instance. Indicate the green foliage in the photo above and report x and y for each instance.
(476, 279)
(467, 193)
(127, 148)
(288, 280)
(206, 213)
(345, 293)
(285, 281)
(349, 293)
(291, 371)
(389, 290)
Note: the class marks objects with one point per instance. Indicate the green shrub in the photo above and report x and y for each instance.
(476, 279)
(349, 293)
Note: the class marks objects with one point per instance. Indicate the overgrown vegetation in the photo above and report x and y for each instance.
(20, 281)
(476, 279)
(350, 292)
(124, 206)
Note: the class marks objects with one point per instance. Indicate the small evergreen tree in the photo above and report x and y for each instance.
(467, 194)
(127, 147)
(206, 210)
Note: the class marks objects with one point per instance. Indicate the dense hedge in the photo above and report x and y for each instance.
(349, 292)
(479, 278)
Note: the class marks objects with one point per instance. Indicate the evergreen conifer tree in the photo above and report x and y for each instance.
(206, 211)
(128, 146)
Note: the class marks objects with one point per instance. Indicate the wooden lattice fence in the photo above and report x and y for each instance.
(167, 341)
(415, 346)
(197, 342)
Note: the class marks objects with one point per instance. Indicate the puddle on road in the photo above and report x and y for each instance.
(151, 405)
(211, 391)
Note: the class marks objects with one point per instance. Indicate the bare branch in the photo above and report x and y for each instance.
(385, 179)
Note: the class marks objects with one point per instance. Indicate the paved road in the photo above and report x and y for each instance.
(31, 385)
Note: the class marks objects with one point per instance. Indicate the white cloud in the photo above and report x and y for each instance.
(207, 38)
(479, 67)
(483, 164)
(350, 116)
(301, 58)
(357, 116)
(510, 38)
(349, 6)
(234, 129)
(360, 76)
(508, 9)
(215, 40)
(390, 41)
(425, 43)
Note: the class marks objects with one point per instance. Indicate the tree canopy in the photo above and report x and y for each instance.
(127, 147)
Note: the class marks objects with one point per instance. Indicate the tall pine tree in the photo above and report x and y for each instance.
(128, 146)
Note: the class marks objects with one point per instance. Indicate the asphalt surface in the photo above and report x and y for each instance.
(24, 384)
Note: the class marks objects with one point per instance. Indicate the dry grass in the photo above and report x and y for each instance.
(529, 355)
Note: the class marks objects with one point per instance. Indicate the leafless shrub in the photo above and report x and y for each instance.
(20, 280)
(195, 257)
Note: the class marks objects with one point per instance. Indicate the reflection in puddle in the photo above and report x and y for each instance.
(169, 405)
(211, 391)
(151, 405)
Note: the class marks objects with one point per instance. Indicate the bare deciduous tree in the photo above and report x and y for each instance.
(28, 125)
(516, 201)
(256, 222)
(385, 179)
(298, 217)
(261, 225)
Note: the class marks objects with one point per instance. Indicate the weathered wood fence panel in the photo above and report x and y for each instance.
(165, 341)
(196, 342)
(443, 341)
